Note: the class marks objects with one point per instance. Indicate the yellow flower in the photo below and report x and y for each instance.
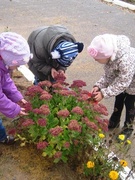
(128, 141)
(122, 137)
(90, 164)
(123, 163)
(101, 135)
(44, 154)
(113, 175)
(22, 144)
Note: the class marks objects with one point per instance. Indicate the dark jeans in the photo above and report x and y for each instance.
(2, 131)
(37, 80)
(129, 102)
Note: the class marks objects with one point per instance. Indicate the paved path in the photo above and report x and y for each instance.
(84, 18)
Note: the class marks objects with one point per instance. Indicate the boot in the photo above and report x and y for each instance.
(114, 121)
(8, 141)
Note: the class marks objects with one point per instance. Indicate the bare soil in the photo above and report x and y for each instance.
(26, 163)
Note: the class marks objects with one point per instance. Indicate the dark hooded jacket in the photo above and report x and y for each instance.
(42, 41)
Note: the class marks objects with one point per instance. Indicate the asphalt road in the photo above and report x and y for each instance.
(84, 18)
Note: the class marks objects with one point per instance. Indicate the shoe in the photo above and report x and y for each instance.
(8, 141)
(126, 132)
(113, 124)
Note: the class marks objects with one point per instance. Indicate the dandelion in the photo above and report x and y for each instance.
(128, 141)
(121, 137)
(22, 144)
(90, 164)
(44, 154)
(123, 163)
(113, 175)
(101, 135)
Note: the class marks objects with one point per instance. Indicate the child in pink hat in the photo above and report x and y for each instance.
(14, 51)
(118, 57)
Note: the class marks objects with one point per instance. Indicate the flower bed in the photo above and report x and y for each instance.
(66, 124)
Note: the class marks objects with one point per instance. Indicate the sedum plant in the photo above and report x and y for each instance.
(66, 124)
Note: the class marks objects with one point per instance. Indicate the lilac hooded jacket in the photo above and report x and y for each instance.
(9, 95)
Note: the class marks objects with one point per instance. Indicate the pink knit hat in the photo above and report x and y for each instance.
(14, 49)
(101, 47)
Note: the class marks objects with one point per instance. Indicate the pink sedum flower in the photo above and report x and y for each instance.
(37, 111)
(42, 122)
(100, 109)
(28, 122)
(42, 145)
(44, 109)
(67, 145)
(76, 142)
(33, 90)
(57, 85)
(63, 113)
(90, 124)
(78, 84)
(45, 96)
(77, 110)
(55, 131)
(12, 131)
(75, 126)
(45, 84)
(27, 106)
(58, 154)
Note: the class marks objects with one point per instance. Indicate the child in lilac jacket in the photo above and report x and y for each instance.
(14, 51)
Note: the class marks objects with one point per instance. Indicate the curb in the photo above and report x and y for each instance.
(122, 4)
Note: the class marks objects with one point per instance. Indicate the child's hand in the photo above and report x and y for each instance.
(98, 96)
(61, 72)
(94, 90)
(24, 101)
(22, 112)
(54, 73)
